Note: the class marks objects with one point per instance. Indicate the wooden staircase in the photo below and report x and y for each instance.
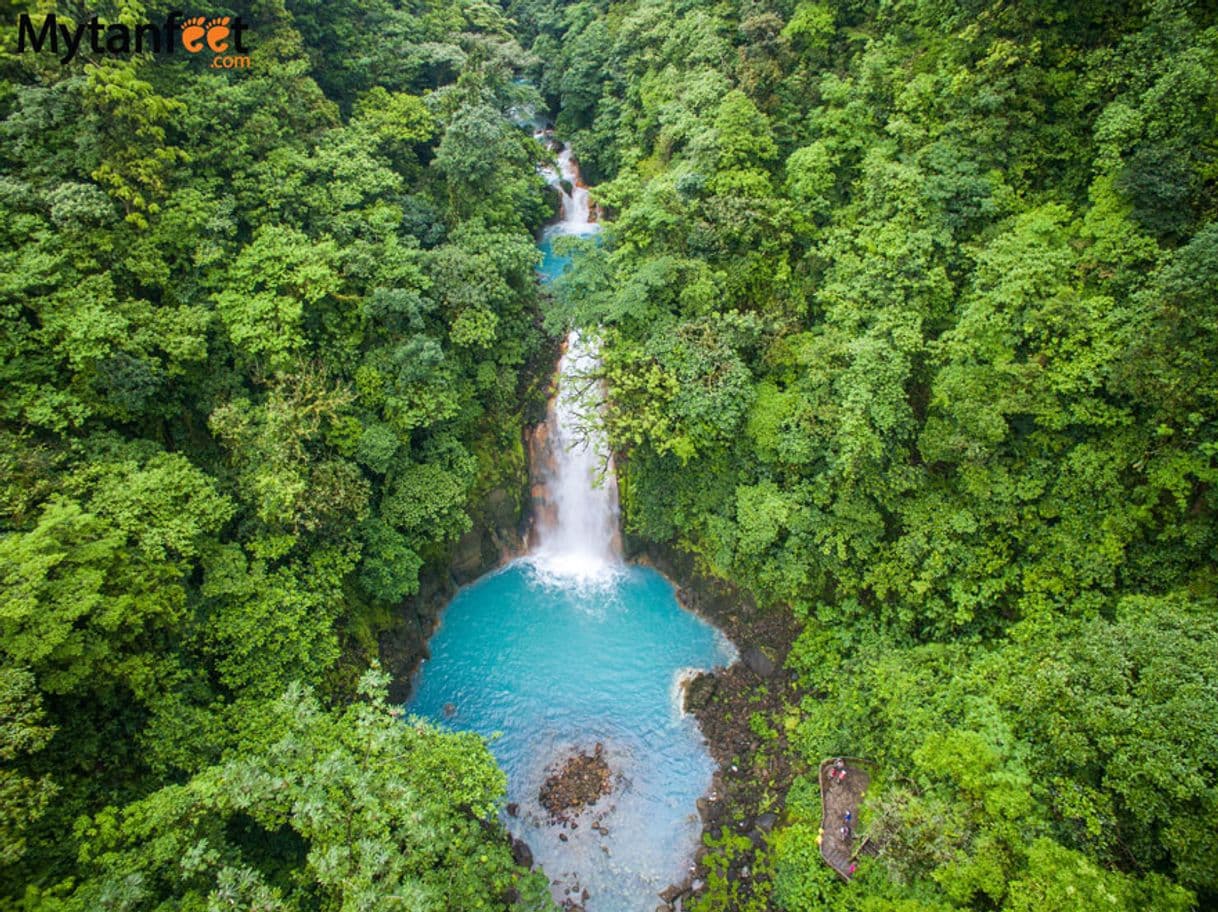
(837, 798)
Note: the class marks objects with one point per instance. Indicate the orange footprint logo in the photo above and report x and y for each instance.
(217, 33)
(192, 34)
(215, 30)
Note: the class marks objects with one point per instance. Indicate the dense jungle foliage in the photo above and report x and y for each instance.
(263, 338)
(910, 322)
(910, 313)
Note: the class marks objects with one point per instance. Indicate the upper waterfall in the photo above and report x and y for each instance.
(576, 216)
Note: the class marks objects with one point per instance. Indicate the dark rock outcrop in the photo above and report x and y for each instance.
(521, 853)
(699, 691)
(404, 645)
(758, 662)
(721, 603)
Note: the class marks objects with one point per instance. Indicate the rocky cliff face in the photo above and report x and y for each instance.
(501, 523)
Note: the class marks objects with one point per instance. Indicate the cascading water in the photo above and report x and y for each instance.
(577, 529)
(545, 665)
(575, 210)
(577, 516)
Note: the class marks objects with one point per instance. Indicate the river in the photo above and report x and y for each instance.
(570, 648)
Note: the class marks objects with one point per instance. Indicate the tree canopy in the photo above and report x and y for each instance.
(264, 333)
(908, 326)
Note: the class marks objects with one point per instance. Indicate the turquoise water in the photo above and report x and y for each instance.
(541, 667)
(552, 265)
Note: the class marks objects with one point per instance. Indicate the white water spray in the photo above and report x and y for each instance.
(576, 214)
(576, 208)
(577, 524)
(577, 536)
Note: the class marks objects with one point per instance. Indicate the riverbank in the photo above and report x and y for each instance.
(500, 523)
(744, 712)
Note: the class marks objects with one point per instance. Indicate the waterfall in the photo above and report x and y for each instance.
(576, 216)
(577, 527)
(575, 489)
(576, 211)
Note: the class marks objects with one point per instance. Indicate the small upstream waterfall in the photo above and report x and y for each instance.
(577, 216)
(575, 489)
(577, 212)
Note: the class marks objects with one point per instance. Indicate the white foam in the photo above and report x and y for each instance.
(579, 571)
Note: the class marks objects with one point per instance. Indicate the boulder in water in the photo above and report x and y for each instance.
(579, 782)
(521, 853)
(672, 891)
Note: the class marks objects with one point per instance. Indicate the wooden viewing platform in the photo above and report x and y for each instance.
(837, 798)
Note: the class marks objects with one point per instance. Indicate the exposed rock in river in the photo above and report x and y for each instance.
(521, 853)
(578, 783)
